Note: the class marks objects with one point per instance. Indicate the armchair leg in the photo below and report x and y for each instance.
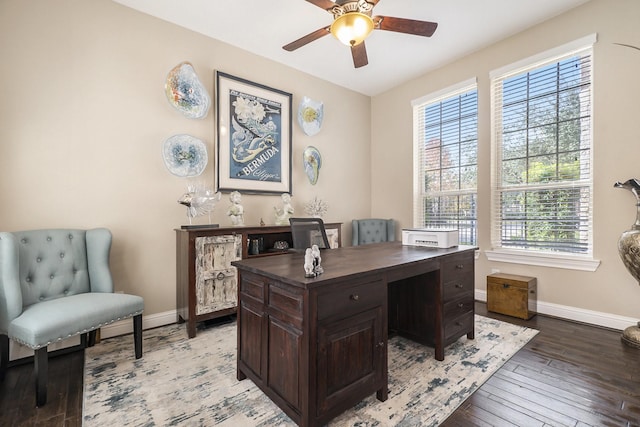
(4, 355)
(41, 366)
(137, 335)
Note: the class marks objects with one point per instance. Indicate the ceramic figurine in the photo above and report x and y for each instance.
(236, 211)
(309, 264)
(315, 251)
(283, 214)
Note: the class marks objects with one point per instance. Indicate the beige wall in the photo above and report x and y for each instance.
(83, 116)
(616, 150)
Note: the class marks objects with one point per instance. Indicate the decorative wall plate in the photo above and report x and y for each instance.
(184, 155)
(312, 162)
(186, 93)
(310, 115)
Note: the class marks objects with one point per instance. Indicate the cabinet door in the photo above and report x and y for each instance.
(350, 358)
(216, 278)
(284, 368)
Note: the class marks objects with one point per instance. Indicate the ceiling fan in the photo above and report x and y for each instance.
(353, 22)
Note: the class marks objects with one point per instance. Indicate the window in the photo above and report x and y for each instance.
(542, 181)
(446, 160)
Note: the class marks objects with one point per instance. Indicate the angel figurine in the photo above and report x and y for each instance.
(283, 214)
(236, 211)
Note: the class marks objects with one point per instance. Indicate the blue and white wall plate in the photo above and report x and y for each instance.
(312, 162)
(184, 155)
(310, 115)
(186, 93)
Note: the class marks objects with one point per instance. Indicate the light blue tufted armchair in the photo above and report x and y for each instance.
(372, 230)
(55, 284)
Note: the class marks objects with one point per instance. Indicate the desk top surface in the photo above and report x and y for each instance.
(344, 262)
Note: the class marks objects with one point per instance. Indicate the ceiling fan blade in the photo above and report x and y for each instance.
(359, 54)
(407, 26)
(324, 4)
(307, 39)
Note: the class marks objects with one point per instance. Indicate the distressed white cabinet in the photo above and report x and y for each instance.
(206, 282)
(216, 283)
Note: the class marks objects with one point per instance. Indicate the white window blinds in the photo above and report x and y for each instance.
(542, 172)
(445, 158)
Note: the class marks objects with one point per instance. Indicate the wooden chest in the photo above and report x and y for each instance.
(512, 295)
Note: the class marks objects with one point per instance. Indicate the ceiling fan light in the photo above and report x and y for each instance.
(352, 28)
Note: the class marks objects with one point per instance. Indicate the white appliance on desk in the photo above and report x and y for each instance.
(430, 237)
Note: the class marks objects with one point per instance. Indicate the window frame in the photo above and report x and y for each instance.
(419, 192)
(538, 257)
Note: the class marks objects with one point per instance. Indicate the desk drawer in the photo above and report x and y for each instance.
(457, 267)
(457, 308)
(252, 286)
(345, 300)
(455, 289)
(454, 328)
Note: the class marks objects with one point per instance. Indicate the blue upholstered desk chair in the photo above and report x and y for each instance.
(372, 230)
(55, 284)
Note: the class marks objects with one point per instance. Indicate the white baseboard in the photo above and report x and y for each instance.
(597, 318)
(148, 322)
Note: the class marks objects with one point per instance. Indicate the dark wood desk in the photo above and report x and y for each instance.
(318, 346)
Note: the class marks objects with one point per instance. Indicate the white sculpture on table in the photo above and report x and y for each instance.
(199, 200)
(315, 251)
(236, 211)
(312, 260)
(309, 264)
(283, 214)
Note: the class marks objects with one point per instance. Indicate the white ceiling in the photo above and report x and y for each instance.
(264, 26)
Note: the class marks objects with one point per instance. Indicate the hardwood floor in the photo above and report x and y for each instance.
(570, 374)
(64, 394)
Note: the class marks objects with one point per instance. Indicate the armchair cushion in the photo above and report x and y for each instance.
(42, 324)
(372, 230)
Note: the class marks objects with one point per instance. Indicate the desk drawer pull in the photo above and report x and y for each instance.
(460, 305)
(380, 344)
(459, 266)
(354, 297)
(459, 285)
(220, 276)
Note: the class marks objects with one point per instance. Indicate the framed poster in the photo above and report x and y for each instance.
(253, 132)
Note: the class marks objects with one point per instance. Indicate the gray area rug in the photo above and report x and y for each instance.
(192, 382)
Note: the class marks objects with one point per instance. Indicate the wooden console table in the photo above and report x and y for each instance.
(206, 282)
(318, 346)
